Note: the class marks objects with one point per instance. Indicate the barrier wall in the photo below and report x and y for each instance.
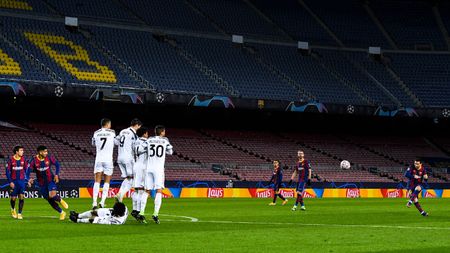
(287, 192)
(84, 192)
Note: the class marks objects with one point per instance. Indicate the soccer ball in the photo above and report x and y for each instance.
(59, 91)
(345, 165)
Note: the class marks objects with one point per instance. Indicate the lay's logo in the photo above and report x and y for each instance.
(287, 193)
(394, 194)
(429, 195)
(215, 193)
(353, 193)
(264, 193)
(308, 195)
(167, 195)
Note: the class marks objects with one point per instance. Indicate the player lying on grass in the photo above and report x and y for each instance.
(16, 167)
(417, 176)
(276, 180)
(104, 216)
(42, 164)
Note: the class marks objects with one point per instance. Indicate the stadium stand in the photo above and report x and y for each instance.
(75, 60)
(236, 17)
(414, 27)
(245, 155)
(295, 20)
(340, 17)
(196, 57)
(98, 9)
(426, 75)
(157, 60)
(160, 14)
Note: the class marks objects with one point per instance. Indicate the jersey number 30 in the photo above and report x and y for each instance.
(156, 150)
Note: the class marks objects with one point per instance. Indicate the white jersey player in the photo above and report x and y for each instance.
(139, 195)
(157, 148)
(125, 158)
(103, 140)
(104, 216)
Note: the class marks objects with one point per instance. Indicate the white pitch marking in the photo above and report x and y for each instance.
(191, 219)
(322, 225)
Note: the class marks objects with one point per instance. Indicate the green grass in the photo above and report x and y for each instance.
(238, 225)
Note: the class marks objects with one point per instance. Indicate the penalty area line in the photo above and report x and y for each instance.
(322, 225)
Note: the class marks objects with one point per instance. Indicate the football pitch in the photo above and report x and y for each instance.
(237, 225)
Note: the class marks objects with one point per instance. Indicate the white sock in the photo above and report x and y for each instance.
(87, 214)
(124, 188)
(95, 193)
(158, 202)
(104, 193)
(85, 220)
(143, 202)
(134, 197)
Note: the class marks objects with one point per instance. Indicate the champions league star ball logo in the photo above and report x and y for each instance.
(350, 109)
(160, 97)
(446, 113)
(59, 91)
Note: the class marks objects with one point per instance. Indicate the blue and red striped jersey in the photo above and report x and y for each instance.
(419, 172)
(43, 168)
(303, 169)
(16, 169)
(277, 176)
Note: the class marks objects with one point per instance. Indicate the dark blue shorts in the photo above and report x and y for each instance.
(19, 188)
(301, 186)
(413, 187)
(45, 189)
(276, 188)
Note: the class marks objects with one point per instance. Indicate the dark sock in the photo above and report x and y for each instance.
(275, 198)
(21, 203)
(13, 203)
(54, 205)
(299, 199)
(414, 195)
(57, 198)
(281, 197)
(418, 207)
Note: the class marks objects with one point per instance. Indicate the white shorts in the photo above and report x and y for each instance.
(106, 167)
(154, 180)
(126, 169)
(139, 175)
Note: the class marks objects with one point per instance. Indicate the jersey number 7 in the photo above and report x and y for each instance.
(103, 144)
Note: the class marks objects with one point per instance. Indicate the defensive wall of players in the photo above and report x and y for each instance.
(252, 193)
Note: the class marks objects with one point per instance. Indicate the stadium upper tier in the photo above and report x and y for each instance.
(192, 51)
(246, 155)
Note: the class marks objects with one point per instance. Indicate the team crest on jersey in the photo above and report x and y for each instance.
(47, 163)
